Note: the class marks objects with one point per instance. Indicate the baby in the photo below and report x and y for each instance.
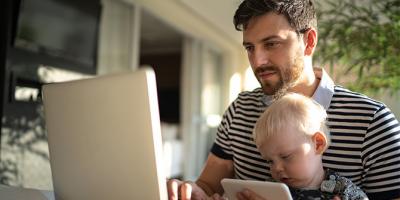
(291, 135)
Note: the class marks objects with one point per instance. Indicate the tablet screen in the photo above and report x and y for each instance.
(268, 190)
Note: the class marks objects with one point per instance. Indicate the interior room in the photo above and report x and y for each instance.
(196, 53)
(188, 51)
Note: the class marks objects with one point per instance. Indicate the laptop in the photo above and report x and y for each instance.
(104, 138)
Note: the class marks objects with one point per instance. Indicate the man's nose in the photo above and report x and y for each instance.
(260, 57)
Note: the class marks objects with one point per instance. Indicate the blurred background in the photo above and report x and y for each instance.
(195, 51)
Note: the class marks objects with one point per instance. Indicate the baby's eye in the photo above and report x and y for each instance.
(269, 162)
(286, 157)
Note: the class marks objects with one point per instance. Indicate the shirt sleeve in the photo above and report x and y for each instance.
(381, 156)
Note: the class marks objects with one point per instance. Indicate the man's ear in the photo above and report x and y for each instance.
(310, 39)
(320, 141)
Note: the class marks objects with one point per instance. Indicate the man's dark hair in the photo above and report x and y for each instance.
(300, 13)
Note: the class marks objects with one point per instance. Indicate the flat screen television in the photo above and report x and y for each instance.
(66, 29)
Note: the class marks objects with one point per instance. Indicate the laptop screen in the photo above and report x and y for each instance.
(104, 137)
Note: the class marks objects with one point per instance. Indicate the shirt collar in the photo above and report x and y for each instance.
(324, 93)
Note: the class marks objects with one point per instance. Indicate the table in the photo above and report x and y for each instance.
(17, 193)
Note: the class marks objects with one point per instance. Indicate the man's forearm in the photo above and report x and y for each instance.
(213, 172)
(206, 188)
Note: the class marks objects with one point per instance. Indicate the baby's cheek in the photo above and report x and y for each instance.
(299, 168)
(274, 175)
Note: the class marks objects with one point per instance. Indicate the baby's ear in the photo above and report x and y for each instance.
(320, 141)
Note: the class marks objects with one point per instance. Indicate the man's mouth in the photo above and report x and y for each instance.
(266, 74)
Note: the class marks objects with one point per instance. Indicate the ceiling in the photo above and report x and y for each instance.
(158, 36)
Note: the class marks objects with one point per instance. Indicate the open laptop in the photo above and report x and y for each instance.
(104, 138)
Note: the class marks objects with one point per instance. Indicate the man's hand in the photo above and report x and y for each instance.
(185, 190)
(208, 184)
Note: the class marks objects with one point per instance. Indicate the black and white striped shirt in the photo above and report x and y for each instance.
(365, 138)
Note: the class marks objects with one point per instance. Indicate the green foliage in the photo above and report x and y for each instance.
(364, 38)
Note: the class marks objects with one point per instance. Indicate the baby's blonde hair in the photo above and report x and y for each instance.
(295, 110)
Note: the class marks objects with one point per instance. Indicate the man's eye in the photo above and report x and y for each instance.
(286, 157)
(249, 48)
(270, 162)
(272, 44)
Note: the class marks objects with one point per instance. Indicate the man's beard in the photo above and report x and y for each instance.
(288, 77)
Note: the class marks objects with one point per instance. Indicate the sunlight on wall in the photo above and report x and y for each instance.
(213, 120)
(49, 74)
(234, 86)
(250, 81)
(210, 99)
(235, 83)
(210, 105)
(26, 94)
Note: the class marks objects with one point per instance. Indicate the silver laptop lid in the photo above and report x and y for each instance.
(105, 138)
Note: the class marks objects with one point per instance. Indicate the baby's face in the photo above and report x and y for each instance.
(293, 159)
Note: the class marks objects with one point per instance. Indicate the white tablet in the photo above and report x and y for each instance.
(267, 190)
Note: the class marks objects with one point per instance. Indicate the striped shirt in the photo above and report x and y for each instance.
(365, 138)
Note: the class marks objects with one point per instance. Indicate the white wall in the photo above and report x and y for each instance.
(219, 13)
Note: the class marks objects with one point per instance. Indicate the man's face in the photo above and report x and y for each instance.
(275, 52)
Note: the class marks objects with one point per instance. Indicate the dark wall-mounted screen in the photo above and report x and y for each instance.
(65, 29)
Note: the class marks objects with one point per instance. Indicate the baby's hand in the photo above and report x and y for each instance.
(336, 198)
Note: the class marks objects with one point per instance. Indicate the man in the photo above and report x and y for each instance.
(280, 38)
